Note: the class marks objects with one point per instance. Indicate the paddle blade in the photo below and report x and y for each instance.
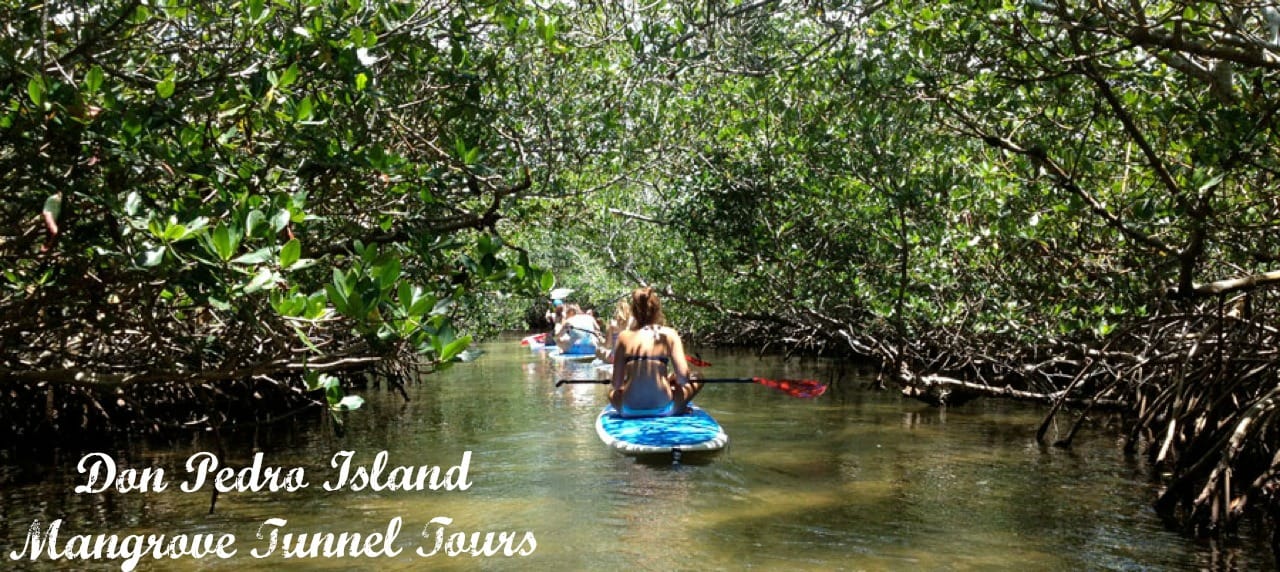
(696, 362)
(802, 388)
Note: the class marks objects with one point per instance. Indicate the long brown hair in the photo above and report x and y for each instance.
(622, 314)
(646, 308)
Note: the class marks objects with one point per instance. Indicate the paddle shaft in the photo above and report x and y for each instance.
(708, 380)
(803, 388)
(592, 332)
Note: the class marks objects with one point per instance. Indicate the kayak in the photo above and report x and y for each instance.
(556, 354)
(695, 431)
(536, 339)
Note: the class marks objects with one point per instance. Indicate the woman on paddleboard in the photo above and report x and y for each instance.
(644, 357)
(578, 333)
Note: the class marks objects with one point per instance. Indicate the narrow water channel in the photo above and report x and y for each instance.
(855, 480)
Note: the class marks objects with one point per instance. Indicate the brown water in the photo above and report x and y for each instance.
(855, 480)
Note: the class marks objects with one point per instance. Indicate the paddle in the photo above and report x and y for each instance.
(802, 388)
(693, 361)
(696, 361)
(540, 338)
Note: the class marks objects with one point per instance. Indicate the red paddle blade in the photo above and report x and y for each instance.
(802, 388)
(696, 362)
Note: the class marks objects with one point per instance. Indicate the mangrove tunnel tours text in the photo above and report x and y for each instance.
(273, 538)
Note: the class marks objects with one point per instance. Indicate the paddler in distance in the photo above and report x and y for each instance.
(578, 333)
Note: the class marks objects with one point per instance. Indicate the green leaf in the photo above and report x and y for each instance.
(348, 403)
(388, 273)
(289, 76)
(442, 307)
(1211, 183)
(149, 258)
(194, 226)
(548, 281)
(252, 221)
(361, 81)
(280, 220)
(303, 263)
(405, 295)
(290, 305)
(460, 148)
(256, 257)
(93, 79)
(304, 109)
(35, 90)
(165, 87)
(455, 347)
(332, 389)
(141, 14)
(258, 11)
(132, 204)
(336, 297)
(312, 379)
(306, 341)
(225, 241)
(174, 232)
(421, 303)
(316, 305)
(265, 278)
(290, 253)
(340, 281)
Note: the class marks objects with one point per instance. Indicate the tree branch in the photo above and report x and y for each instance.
(1231, 285)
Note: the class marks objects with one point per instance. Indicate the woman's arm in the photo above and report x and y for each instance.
(619, 364)
(619, 379)
(678, 360)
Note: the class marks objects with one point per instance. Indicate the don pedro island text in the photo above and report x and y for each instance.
(273, 538)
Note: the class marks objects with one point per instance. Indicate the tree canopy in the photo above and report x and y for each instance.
(1070, 202)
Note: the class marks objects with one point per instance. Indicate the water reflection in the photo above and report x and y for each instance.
(854, 480)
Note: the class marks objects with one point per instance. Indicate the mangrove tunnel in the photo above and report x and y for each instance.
(220, 216)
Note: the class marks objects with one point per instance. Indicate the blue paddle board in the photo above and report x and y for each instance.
(695, 431)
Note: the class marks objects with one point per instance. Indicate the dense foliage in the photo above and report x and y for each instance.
(259, 192)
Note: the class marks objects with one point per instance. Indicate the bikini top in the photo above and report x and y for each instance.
(653, 331)
(662, 359)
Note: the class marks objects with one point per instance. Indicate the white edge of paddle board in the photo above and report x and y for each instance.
(556, 354)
